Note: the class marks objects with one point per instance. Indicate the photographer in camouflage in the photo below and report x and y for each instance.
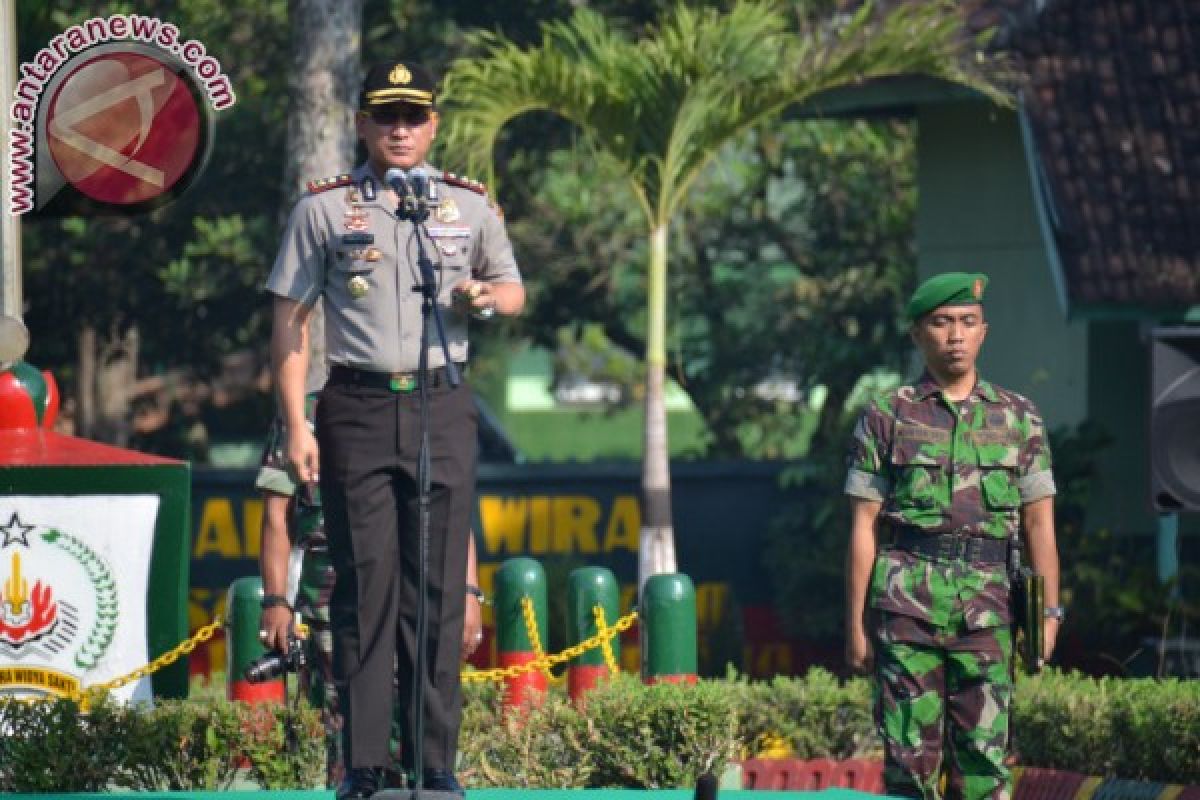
(942, 475)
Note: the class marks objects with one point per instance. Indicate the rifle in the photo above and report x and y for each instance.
(1028, 607)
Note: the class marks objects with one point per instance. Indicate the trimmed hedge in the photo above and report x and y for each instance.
(1142, 729)
(173, 745)
(630, 735)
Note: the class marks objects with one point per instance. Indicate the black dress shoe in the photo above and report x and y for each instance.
(359, 784)
(443, 780)
(395, 778)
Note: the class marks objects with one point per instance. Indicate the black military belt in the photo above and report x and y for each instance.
(951, 547)
(402, 382)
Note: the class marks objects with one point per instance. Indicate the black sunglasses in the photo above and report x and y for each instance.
(404, 115)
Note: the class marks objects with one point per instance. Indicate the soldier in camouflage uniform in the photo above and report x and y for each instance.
(292, 521)
(943, 474)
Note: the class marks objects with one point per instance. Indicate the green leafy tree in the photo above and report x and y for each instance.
(801, 228)
(108, 299)
(663, 106)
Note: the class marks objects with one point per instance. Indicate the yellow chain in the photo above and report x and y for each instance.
(185, 647)
(606, 644)
(546, 662)
(535, 639)
(541, 661)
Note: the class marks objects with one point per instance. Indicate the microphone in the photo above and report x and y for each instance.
(418, 179)
(398, 180)
(415, 189)
(410, 204)
(423, 186)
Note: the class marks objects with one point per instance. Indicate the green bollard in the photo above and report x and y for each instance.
(668, 612)
(588, 587)
(518, 578)
(243, 610)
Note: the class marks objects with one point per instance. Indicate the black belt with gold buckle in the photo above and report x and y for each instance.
(951, 547)
(401, 382)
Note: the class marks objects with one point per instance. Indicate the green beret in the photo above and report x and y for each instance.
(947, 289)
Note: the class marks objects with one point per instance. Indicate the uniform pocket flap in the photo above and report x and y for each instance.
(997, 456)
(914, 453)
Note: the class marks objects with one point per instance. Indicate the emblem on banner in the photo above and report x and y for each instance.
(50, 582)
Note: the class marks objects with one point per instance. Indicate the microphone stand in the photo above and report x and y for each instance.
(414, 209)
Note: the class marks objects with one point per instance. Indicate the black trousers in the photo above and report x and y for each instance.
(369, 439)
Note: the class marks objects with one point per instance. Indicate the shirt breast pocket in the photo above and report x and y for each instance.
(919, 476)
(452, 254)
(998, 480)
(352, 274)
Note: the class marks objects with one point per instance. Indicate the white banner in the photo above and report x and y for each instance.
(73, 580)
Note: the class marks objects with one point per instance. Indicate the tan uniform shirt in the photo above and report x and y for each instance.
(345, 245)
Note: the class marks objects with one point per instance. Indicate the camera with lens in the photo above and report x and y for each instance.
(274, 664)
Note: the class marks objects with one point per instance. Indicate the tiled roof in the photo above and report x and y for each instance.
(1111, 95)
(1113, 103)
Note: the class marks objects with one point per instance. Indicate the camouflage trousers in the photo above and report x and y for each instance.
(316, 679)
(943, 696)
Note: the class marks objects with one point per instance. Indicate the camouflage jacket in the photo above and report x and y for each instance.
(944, 468)
(306, 526)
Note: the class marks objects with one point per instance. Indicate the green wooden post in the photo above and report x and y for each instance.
(588, 587)
(243, 609)
(669, 629)
(518, 578)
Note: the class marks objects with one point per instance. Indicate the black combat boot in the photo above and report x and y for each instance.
(443, 780)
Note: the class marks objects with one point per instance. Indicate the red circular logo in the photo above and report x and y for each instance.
(124, 128)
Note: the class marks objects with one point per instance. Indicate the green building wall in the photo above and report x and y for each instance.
(976, 211)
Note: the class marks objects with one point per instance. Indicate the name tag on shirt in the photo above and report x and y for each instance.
(450, 231)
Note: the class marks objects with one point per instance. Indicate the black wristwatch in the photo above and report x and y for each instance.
(477, 593)
(272, 600)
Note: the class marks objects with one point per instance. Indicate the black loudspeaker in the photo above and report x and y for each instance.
(1175, 419)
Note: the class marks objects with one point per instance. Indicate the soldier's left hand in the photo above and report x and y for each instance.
(1049, 637)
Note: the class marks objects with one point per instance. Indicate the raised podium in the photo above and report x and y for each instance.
(93, 554)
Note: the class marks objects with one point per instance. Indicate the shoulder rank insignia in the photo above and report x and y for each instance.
(325, 184)
(475, 186)
(464, 183)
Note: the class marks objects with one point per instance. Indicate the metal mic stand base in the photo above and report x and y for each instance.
(415, 794)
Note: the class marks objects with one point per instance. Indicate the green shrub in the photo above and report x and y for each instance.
(661, 736)
(816, 716)
(180, 745)
(51, 747)
(629, 736)
(543, 747)
(285, 746)
(1142, 729)
(173, 745)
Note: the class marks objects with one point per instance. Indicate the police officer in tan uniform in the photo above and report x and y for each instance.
(346, 245)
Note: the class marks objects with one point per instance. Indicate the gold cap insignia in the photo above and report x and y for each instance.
(399, 74)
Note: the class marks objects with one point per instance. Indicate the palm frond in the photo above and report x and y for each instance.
(664, 106)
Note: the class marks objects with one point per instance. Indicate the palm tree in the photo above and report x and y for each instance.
(662, 106)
